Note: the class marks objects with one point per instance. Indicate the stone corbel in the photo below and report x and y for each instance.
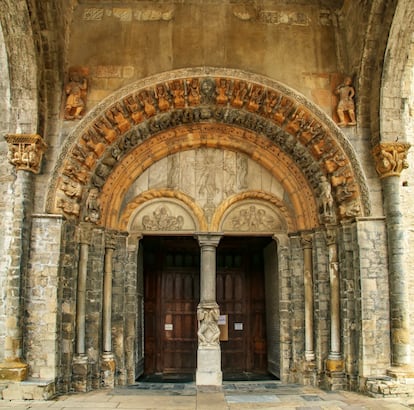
(390, 158)
(26, 151)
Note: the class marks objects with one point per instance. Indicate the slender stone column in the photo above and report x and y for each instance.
(390, 161)
(335, 361)
(208, 353)
(25, 153)
(80, 361)
(308, 282)
(108, 359)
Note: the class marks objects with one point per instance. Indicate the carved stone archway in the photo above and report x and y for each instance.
(205, 107)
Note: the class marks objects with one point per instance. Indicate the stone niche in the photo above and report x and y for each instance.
(253, 216)
(163, 216)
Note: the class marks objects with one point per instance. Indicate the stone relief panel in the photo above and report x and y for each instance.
(163, 216)
(207, 175)
(252, 216)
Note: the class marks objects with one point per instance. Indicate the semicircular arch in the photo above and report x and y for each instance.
(267, 120)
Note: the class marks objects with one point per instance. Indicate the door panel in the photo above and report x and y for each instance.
(171, 268)
(241, 296)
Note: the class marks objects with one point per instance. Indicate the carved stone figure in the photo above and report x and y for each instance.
(147, 101)
(177, 90)
(161, 94)
(92, 206)
(256, 97)
(72, 189)
(75, 91)
(240, 91)
(222, 91)
(162, 220)
(253, 219)
(117, 118)
(390, 158)
(105, 129)
(326, 200)
(207, 90)
(134, 109)
(346, 93)
(69, 207)
(208, 330)
(193, 91)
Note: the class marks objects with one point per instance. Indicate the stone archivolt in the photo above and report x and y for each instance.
(252, 110)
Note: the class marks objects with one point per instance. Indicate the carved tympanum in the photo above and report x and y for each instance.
(26, 151)
(390, 158)
(162, 220)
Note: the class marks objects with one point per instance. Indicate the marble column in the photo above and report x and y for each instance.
(308, 283)
(25, 154)
(390, 162)
(80, 371)
(208, 353)
(107, 358)
(335, 362)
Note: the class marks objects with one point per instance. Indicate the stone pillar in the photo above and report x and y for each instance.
(107, 359)
(81, 371)
(390, 161)
(25, 153)
(208, 353)
(335, 362)
(308, 283)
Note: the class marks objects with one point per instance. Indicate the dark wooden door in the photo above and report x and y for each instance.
(171, 269)
(240, 295)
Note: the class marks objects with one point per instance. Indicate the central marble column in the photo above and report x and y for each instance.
(208, 353)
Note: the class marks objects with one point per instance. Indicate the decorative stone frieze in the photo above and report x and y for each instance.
(26, 151)
(285, 120)
(390, 158)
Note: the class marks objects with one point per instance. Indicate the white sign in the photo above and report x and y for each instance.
(168, 326)
(222, 320)
(238, 326)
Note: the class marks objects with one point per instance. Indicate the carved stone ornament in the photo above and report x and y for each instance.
(390, 158)
(208, 330)
(162, 220)
(26, 151)
(110, 239)
(76, 91)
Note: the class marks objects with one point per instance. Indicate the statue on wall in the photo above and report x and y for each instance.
(92, 206)
(346, 93)
(75, 91)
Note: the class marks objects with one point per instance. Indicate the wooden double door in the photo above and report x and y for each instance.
(172, 293)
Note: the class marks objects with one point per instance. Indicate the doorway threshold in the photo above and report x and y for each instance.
(167, 378)
(247, 377)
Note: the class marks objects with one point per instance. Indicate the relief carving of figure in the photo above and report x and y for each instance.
(92, 142)
(326, 199)
(92, 206)
(208, 330)
(134, 109)
(242, 171)
(193, 91)
(72, 189)
(255, 100)
(161, 94)
(105, 130)
(177, 90)
(75, 91)
(75, 171)
(162, 220)
(69, 207)
(222, 91)
(147, 101)
(346, 93)
(117, 118)
(240, 91)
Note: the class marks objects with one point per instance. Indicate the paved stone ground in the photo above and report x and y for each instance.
(248, 396)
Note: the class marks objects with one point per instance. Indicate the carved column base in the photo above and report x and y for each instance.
(309, 356)
(209, 367)
(108, 366)
(401, 373)
(81, 374)
(335, 365)
(13, 370)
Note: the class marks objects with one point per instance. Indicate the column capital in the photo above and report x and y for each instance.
(208, 239)
(26, 151)
(306, 240)
(390, 158)
(110, 239)
(84, 233)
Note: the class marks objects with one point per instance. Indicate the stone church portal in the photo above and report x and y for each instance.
(205, 189)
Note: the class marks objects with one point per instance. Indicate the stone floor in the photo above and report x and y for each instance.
(238, 395)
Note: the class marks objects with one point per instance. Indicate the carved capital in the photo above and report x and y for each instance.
(306, 241)
(208, 239)
(390, 158)
(26, 151)
(110, 239)
(84, 233)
